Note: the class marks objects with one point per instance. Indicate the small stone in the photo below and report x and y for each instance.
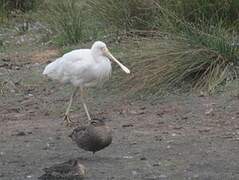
(195, 176)
(58, 138)
(133, 112)
(143, 158)
(209, 112)
(157, 138)
(160, 114)
(127, 125)
(184, 117)
(202, 94)
(157, 164)
(178, 127)
(127, 157)
(141, 113)
(163, 176)
(21, 133)
(5, 59)
(204, 130)
(237, 138)
(29, 176)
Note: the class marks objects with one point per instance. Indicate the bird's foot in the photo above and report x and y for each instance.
(67, 121)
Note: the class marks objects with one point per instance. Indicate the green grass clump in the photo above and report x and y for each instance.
(20, 5)
(199, 58)
(12, 8)
(125, 15)
(196, 11)
(175, 64)
(202, 56)
(65, 19)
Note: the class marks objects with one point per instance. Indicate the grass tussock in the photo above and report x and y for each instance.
(125, 15)
(200, 56)
(65, 19)
(197, 11)
(185, 63)
(19, 5)
(10, 9)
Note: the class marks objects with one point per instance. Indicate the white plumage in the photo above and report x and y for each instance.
(83, 68)
(74, 68)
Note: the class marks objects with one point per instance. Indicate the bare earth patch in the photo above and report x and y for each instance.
(177, 137)
(44, 56)
(34, 56)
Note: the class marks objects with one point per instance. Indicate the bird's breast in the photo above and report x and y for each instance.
(102, 71)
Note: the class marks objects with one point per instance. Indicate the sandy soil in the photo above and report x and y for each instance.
(175, 137)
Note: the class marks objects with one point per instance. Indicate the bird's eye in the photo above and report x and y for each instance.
(104, 49)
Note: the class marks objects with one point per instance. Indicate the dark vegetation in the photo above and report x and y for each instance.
(190, 44)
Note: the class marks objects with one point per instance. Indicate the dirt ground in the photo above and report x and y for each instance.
(174, 137)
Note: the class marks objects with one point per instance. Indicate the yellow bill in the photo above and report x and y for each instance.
(110, 56)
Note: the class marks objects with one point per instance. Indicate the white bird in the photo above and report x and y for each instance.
(83, 68)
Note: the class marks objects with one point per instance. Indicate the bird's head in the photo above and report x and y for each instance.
(100, 49)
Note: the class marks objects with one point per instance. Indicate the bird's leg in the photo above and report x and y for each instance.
(84, 104)
(67, 119)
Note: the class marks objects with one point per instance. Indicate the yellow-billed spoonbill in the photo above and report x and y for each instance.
(83, 68)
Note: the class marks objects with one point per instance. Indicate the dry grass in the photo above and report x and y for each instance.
(125, 15)
(169, 63)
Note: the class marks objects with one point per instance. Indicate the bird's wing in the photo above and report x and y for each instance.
(71, 67)
(76, 55)
(80, 129)
(77, 67)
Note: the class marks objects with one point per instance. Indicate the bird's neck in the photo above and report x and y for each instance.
(96, 54)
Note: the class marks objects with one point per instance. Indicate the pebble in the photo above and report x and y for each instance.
(29, 176)
(157, 164)
(21, 133)
(143, 158)
(127, 125)
(128, 157)
(163, 176)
